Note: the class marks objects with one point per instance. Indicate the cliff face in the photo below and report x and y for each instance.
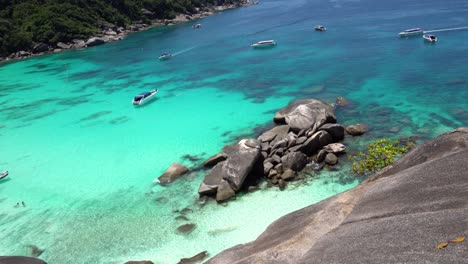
(399, 215)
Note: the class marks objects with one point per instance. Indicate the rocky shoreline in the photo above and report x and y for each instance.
(111, 33)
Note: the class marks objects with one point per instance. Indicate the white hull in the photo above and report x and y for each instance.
(427, 39)
(146, 99)
(3, 174)
(264, 44)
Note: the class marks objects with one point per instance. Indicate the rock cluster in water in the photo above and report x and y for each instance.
(305, 132)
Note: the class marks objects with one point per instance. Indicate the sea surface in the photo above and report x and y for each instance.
(83, 159)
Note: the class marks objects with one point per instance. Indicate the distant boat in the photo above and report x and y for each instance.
(165, 56)
(430, 38)
(143, 97)
(411, 32)
(3, 174)
(320, 28)
(196, 26)
(264, 44)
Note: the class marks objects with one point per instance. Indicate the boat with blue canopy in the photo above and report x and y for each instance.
(141, 98)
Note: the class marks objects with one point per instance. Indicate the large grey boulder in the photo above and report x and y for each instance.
(63, 45)
(213, 160)
(242, 158)
(40, 47)
(306, 114)
(277, 132)
(337, 131)
(335, 148)
(95, 42)
(399, 215)
(295, 161)
(173, 172)
(357, 129)
(224, 192)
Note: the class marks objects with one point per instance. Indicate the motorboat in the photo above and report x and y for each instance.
(143, 97)
(264, 44)
(196, 26)
(320, 28)
(430, 38)
(411, 32)
(3, 174)
(165, 56)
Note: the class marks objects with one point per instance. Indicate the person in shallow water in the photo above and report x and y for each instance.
(17, 205)
(23, 203)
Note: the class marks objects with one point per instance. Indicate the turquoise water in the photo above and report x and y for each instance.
(83, 158)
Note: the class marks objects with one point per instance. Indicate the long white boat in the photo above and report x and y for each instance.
(320, 28)
(3, 174)
(264, 44)
(141, 98)
(165, 56)
(430, 38)
(411, 32)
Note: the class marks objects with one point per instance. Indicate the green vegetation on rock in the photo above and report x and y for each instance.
(379, 154)
(25, 22)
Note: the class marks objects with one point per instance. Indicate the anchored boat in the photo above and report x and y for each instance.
(144, 97)
(430, 38)
(320, 28)
(411, 32)
(3, 174)
(196, 26)
(264, 44)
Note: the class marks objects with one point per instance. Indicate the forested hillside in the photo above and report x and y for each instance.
(25, 22)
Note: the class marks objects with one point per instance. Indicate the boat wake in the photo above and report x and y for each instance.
(183, 51)
(446, 29)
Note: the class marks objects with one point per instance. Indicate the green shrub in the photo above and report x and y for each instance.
(378, 155)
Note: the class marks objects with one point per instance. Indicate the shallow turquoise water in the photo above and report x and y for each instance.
(83, 158)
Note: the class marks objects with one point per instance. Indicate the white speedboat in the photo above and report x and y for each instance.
(264, 44)
(3, 174)
(196, 26)
(411, 32)
(143, 97)
(320, 28)
(430, 38)
(165, 56)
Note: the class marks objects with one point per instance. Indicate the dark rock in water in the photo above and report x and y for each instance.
(139, 262)
(356, 130)
(288, 175)
(315, 142)
(212, 161)
(40, 47)
(305, 114)
(212, 180)
(324, 138)
(335, 148)
(331, 159)
(181, 218)
(224, 192)
(173, 172)
(413, 205)
(321, 155)
(191, 158)
(276, 132)
(253, 188)
(267, 167)
(337, 131)
(186, 229)
(35, 251)
(341, 101)
(295, 161)
(282, 184)
(198, 257)
(186, 210)
(20, 260)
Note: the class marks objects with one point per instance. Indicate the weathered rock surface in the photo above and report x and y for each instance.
(398, 215)
(173, 172)
(331, 159)
(187, 228)
(276, 132)
(20, 260)
(139, 262)
(63, 45)
(40, 47)
(295, 161)
(335, 148)
(356, 130)
(337, 131)
(95, 42)
(306, 114)
(212, 161)
(224, 192)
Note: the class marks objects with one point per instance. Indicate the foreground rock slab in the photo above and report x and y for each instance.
(398, 215)
(20, 260)
(173, 172)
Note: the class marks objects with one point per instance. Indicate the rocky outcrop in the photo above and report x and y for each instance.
(20, 260)
(279, 153)
(62, 45)
(40, 47)
(173, 172)
(398, 215)
(212, 161)
(195, 259)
